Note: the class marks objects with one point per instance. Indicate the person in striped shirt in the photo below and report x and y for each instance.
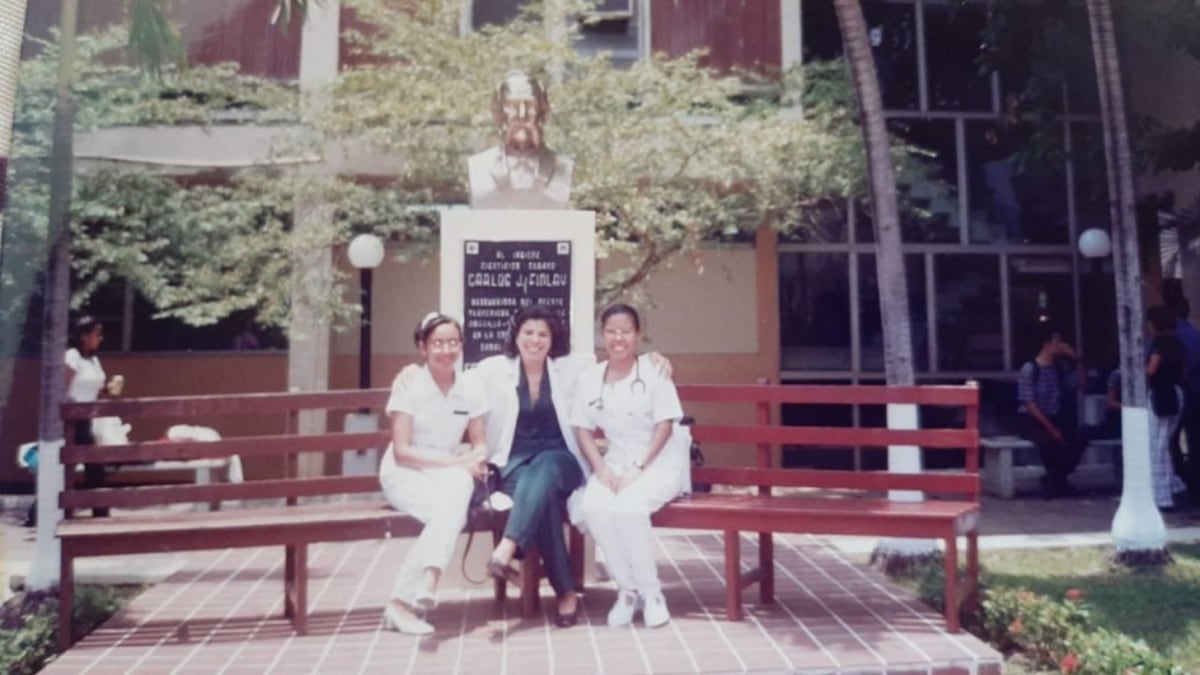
(1046, 395)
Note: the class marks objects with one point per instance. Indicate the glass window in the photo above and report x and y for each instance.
(870, 320)
(494, 12)
(969, 332)
(1017, 183)
(814, 311)
(237, 332)
(930, 206)
(613, 32)
(893, 35)
(892, 31)
(1039, 291)
(953, 47)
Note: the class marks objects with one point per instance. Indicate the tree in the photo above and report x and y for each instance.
(1138, 531)
(12, 21)
(889, 259)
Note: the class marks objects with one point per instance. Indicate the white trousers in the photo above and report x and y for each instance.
(439, 498)
(620, 525)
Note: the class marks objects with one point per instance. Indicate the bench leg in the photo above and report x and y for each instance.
(733, 576)
(531, 577)
(295, 586)
(766, 568)
(66, 600)
(499, 586)
(972, 604)
(951, 590)
(577, 549)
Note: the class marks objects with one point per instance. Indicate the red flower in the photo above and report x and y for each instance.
(1074, 595)
(1069, 663)
(1016, 627)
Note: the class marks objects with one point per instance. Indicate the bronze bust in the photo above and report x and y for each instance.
(521, 172)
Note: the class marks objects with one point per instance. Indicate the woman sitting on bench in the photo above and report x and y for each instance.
(645, 464)
(421, 472)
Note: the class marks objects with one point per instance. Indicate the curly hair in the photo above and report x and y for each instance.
(560, 339)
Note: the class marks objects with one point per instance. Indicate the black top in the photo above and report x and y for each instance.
(1169, 374)
(537, 424)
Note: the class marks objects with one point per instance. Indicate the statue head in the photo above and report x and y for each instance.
(520, 107)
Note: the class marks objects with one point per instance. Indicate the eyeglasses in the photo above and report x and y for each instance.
(443, 345)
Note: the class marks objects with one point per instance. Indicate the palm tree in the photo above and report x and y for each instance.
(12, 26)
(889, 259)
(1138, 532)
(154, 42)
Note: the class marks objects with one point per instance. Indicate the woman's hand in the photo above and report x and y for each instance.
(631, 474)
(475, 462)
(608, 478)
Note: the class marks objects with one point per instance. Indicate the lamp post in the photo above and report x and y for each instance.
(365, 253)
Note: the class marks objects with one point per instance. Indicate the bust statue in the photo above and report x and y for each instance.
(521, 172)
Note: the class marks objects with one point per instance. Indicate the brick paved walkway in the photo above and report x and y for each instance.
(222, 614)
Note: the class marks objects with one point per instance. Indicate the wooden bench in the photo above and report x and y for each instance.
(288, 510)
(1010, 462)
(765, 499)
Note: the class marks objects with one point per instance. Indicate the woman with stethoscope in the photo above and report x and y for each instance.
(644, 466)
(423, 473)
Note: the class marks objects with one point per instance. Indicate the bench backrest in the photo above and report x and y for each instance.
(755, 443)
(280, 411)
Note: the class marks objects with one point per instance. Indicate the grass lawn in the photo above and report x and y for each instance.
(1161, 607)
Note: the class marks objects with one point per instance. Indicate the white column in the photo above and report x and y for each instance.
(1137, 526)
(904, 459)
(308, 331)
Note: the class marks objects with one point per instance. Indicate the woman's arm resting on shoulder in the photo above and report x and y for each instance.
(662, 363)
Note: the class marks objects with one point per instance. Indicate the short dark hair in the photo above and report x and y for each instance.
(430, 323)
(84, 325)
(1045, 333)
(620, 308)
(1161, 318)
(560, 339)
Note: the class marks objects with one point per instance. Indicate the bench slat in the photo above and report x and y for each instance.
(939, 395)
(155, 495)
(839, 436)
(245, 446)
(227, 404)
(879, 481)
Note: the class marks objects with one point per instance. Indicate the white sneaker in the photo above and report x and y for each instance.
(624, 608)
(654, 610)
(404, 623)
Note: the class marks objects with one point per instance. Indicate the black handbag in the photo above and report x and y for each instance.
(480, 506)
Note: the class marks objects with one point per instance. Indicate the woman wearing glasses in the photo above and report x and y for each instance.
(644, 466)
(422, 473)
(530, 388)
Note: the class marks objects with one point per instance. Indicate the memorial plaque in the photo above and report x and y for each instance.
(500, 277)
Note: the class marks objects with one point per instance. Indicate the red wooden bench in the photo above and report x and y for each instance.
(287, 510)
(759, 497)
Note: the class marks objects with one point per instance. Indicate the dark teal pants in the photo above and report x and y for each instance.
(539, 487)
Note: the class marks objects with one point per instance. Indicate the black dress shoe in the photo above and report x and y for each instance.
(567, 620)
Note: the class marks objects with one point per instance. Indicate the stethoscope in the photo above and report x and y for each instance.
(598, 404)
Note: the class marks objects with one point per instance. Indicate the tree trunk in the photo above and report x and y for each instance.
(1139, 534)
(12, 29)
(44, 571)
(889, 265)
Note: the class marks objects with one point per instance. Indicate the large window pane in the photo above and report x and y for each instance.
(893, 35)
(1017, 183)
(969, 312)
(953, 46)
(814, 311)
(1039, 292)
(930, 205)
(823, 223)
(870, 321)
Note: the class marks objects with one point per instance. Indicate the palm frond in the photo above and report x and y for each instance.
(153, 40)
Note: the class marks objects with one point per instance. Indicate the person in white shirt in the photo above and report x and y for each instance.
(85, 379)
(645, 463)
(424, 472)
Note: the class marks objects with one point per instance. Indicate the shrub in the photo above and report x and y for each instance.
(29, 624)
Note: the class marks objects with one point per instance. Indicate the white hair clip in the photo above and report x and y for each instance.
(430, 318)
